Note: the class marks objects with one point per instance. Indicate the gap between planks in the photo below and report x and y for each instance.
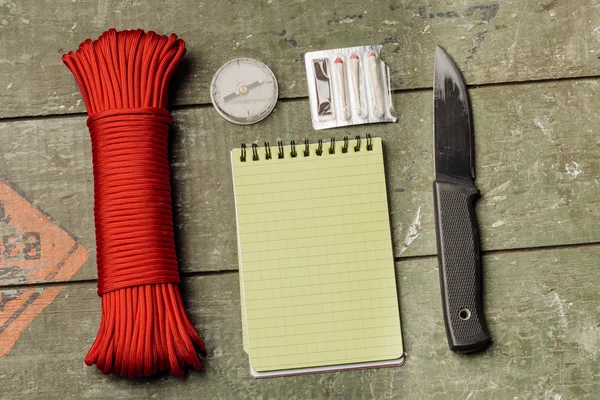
(396, 260)
(303, 98)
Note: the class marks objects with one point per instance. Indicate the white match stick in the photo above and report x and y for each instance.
(373, 65)
(354, 69)
(339, 69)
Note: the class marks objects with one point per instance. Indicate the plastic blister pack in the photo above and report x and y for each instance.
(348, 86)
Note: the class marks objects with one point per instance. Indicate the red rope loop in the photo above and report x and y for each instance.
(123, 78)
(126, 113)
(134, 228)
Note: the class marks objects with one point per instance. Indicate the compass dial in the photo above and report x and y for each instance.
(244, 91)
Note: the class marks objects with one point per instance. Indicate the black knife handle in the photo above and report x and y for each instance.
(459, 258)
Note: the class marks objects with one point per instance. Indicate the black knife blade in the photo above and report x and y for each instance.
(454, 195)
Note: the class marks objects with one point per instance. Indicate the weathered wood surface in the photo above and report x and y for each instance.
(542, 310)
(536, 167)
(492, 40)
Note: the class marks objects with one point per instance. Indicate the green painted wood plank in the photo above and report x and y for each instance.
(542, 309)
(493, 41)
(536, 167)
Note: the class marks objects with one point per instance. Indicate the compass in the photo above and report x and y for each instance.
(244, 91)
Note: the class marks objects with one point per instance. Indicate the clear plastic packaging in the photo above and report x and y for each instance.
(348, 86)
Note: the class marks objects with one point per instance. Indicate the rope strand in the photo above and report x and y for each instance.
(123, 78)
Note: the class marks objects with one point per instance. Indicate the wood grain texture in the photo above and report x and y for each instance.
(536, 168)
(542, 310)
(492, 40)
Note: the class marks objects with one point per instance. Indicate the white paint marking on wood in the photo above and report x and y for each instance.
(498, 189)
(542, 124)
(557, 302)
(413, 232)
(573, 169)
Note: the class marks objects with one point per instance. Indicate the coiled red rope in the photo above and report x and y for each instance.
(123, 78)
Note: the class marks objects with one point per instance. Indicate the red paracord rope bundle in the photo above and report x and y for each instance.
(123, 78)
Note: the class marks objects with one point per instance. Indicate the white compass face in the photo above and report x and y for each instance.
(244, 91)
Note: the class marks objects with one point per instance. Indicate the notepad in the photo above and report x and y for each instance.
(317, 280)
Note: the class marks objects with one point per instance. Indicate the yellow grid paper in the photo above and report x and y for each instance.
(316, 263)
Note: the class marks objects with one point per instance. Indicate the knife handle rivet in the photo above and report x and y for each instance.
(464, 314)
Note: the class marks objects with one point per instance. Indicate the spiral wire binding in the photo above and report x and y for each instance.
(306, 148)
(306, 152)
(293, 153)
(369, 142)
(243, 153)
(357, 147)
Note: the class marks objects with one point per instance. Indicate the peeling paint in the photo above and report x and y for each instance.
(412, 233)
(573, 169)
(556, 301)
(542, 123)
(498, 189)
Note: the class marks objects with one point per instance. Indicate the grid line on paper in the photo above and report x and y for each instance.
(316, 262)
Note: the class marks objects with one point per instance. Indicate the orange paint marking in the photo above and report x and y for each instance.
(33, 249)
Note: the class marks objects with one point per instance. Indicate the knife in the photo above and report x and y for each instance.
(454, 196)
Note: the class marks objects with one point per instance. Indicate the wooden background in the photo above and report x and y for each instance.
(532, 69)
